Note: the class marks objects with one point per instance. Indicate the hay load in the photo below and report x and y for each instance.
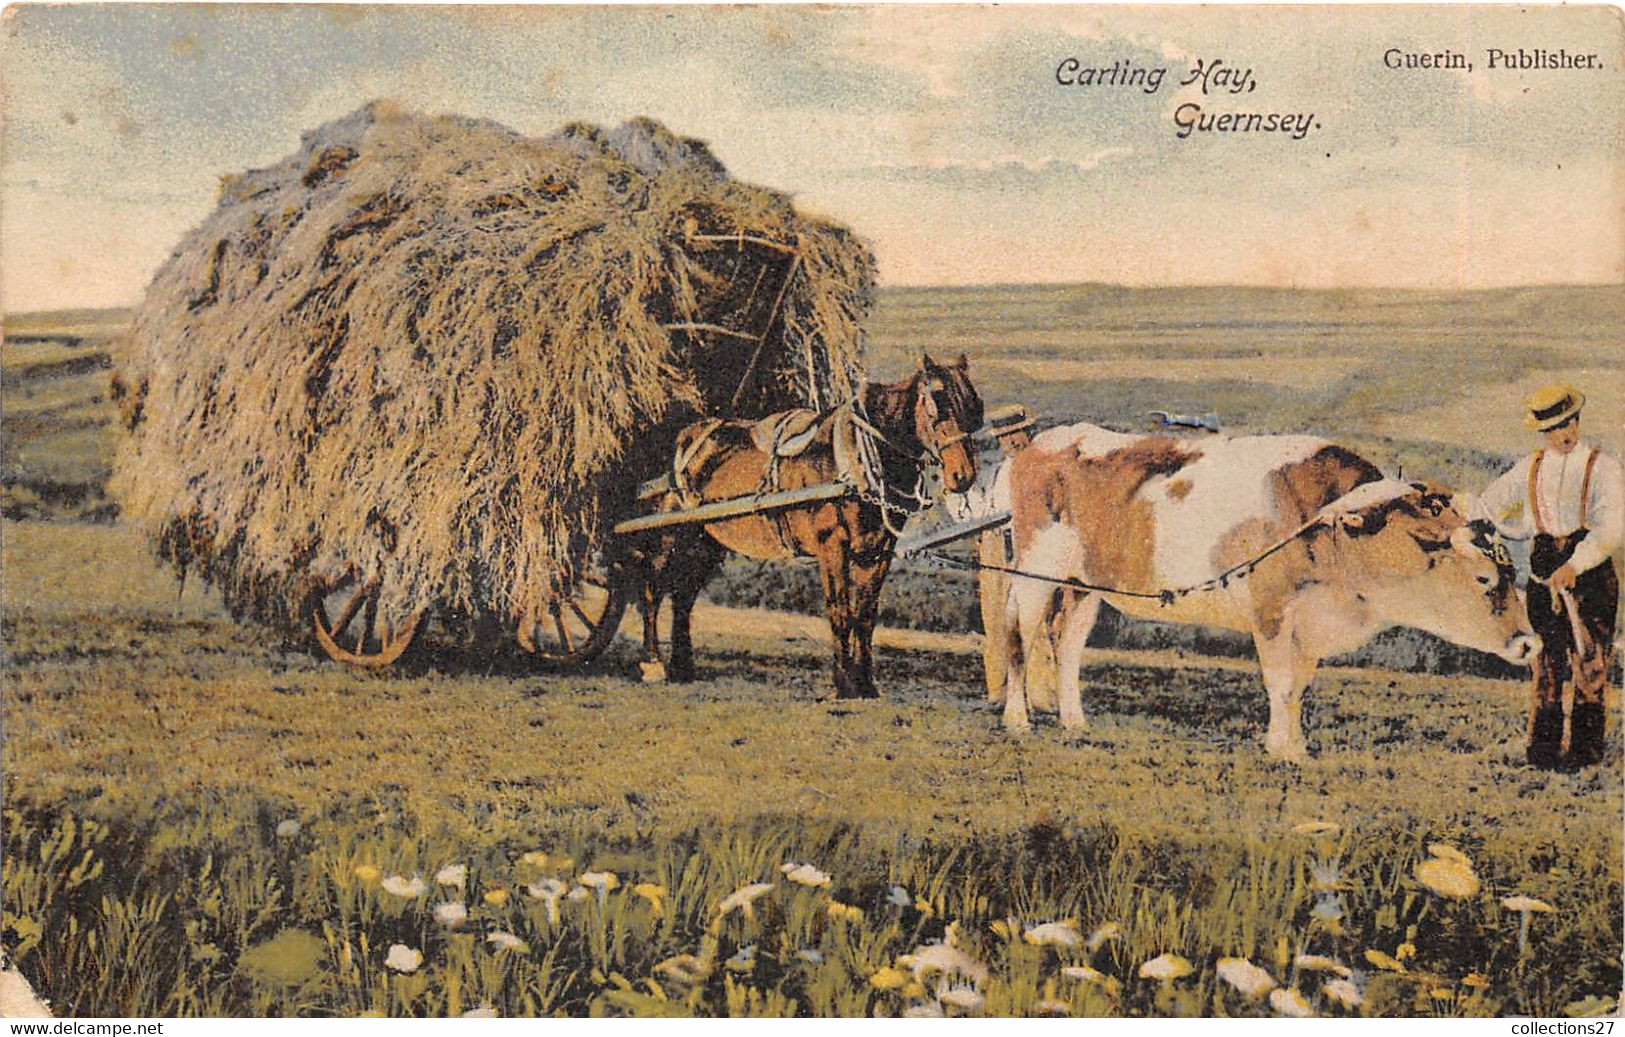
(419, 352)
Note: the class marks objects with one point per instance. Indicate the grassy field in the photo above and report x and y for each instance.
(202, 820)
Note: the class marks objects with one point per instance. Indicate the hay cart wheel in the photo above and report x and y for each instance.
(575, 629)
(377, 641)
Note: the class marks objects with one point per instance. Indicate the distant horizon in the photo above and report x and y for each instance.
(1037, 285)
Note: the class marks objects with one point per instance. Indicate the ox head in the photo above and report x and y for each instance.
(1426, 566)
(947, 411)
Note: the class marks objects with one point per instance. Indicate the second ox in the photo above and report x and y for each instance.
(1317, 552)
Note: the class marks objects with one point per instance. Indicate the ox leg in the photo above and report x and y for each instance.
(1043, 676)
(993, 591)
(1027, 620)
(1075, 620)
(1288, 669)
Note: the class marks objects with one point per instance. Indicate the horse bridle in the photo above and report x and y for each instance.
(936, 443)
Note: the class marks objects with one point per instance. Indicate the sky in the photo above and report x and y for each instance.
(938, 133)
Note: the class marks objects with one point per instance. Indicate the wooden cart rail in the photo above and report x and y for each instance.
(734, 507)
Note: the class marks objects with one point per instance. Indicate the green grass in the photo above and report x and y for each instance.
(235, 905)
(153, 746)
(177, 741)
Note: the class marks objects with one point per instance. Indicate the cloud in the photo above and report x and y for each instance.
(991, 170)
(939, 132)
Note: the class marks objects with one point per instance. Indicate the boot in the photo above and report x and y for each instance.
(1586, 725)
(1545, 737)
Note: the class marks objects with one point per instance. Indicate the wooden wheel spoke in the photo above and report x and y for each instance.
(386, 640)
(558, 624)
(367, 623)
(586, 621)
(352, 607)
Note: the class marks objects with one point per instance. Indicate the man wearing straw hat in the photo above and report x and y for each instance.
(1568, 499)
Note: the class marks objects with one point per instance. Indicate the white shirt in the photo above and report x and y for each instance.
(1557, 494)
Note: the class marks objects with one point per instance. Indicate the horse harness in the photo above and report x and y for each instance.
(790, 433)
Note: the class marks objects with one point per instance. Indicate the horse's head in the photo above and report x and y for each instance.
(947, 410)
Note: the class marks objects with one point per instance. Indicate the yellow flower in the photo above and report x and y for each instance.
(1246, 977)
(1445, 851)
(1447, 877)
(1526, 903)
(805, 875)
(914, 989)
(534, 859)
(1053, 934)
(1405, 951)
(1290, 1003)
(1089, 974)
(1321, 963)
(742, 898)
(506, 941)
(496, 897)
(961, 997)
(684, 969)
(1441, 993)
(603, 881)
(889, 978)
(1166, 967)
(367, 873)
(844, 912)
(654, 894)
(1108, 931)
(1383, 961)
(1476, 980)
(1344, 992)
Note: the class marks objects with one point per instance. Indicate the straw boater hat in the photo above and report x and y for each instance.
(1008, 420)
(1549, 407)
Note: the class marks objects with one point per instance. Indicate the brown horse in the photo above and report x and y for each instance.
(927, 417)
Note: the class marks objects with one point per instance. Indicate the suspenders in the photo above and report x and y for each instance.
(1585, 489)
(1534, 496)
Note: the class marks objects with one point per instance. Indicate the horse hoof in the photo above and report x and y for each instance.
(653, 673)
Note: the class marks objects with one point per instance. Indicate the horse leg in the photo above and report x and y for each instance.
(867, 577)
(651, 578)
(686, 584)
(835, 572)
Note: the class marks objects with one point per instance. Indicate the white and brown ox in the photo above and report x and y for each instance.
(1151, 513)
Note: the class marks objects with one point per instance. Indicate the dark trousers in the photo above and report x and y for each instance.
(1596, 599)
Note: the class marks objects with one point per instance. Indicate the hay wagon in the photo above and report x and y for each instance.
(420, 369)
